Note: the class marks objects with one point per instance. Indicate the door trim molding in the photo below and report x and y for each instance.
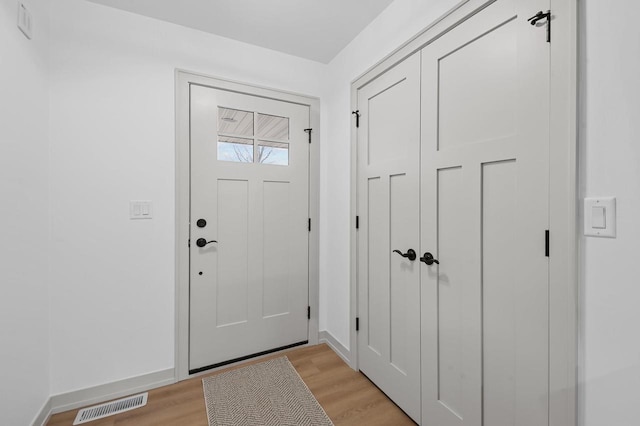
(183, 79)
(563, 263)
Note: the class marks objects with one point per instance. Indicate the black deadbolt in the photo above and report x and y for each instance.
(201, 223)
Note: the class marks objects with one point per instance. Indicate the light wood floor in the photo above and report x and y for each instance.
(348, 397)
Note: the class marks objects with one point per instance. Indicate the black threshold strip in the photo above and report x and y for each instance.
(242, 358)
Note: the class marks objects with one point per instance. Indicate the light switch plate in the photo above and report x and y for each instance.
(24, 20)
(600, 217)
(140, 210)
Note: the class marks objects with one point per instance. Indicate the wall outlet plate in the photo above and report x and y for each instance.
(24, 20)
(600, 217)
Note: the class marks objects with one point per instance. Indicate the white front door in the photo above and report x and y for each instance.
(249, 275)
(485, 197)
(389, 209)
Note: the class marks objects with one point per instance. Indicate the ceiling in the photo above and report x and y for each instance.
(312, 29)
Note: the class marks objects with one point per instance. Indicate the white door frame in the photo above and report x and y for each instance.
(182, 202)
(563, 199)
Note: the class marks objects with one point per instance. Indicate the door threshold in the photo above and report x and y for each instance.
(246, 357)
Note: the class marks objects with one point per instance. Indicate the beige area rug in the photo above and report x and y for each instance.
(270, 393)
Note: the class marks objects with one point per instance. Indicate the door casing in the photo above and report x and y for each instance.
(182, 202)
(563, 277)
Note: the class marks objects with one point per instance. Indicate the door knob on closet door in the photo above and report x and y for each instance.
(201, 242)
(428, 259)
(410, 254)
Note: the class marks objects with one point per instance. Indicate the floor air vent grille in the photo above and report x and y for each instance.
(110, 408)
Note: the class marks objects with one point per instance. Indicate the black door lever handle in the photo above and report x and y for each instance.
(410, 254)
(428, 259)
(201, 242)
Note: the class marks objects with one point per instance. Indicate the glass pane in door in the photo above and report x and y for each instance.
(239, 150)
(273, 153)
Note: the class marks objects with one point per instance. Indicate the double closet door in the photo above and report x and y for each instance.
(453, 195)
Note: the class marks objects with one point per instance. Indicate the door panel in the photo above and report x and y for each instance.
(499, 212)
(452, 279)
(249, 181)
(494, 59)
(388, 205)
(276, 249)
(233, 252)
(401, 203)
(376, 317)
(386, 142)
(484, 184)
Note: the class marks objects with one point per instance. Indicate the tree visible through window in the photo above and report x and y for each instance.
(244, 154)
(236, 138)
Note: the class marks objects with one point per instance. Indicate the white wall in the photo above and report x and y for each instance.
(112, 124)
(24, 219)
(112, 136)
(402, 20)
(610, 166)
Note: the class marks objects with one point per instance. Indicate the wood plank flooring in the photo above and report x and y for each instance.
(347, 396)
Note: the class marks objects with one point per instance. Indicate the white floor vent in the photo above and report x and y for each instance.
(110, 408)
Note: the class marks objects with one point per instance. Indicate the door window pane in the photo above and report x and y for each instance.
(273, 127)
(235, 122)
(273, 153)
(239, 150)
(236, 136)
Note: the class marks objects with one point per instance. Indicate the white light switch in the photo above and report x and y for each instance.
(600, 217)
(140, 210)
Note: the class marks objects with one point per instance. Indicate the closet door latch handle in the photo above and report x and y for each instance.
(410, 254)
(428, 259)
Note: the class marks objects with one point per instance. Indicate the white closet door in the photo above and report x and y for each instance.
(389, 209)
(484, 184)
(249, 193)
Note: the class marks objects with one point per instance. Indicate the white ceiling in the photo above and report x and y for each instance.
(312, 29)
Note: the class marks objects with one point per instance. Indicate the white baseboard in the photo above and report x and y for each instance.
(344, 353)
(43, 416)
(97, 394)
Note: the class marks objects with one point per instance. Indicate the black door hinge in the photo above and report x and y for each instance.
(309, 224)
(309, 132)
(189, 243)
(546, 243)
(308, 312)
(357, 222)
(542, 15)
(357, 324)
(357, 114)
